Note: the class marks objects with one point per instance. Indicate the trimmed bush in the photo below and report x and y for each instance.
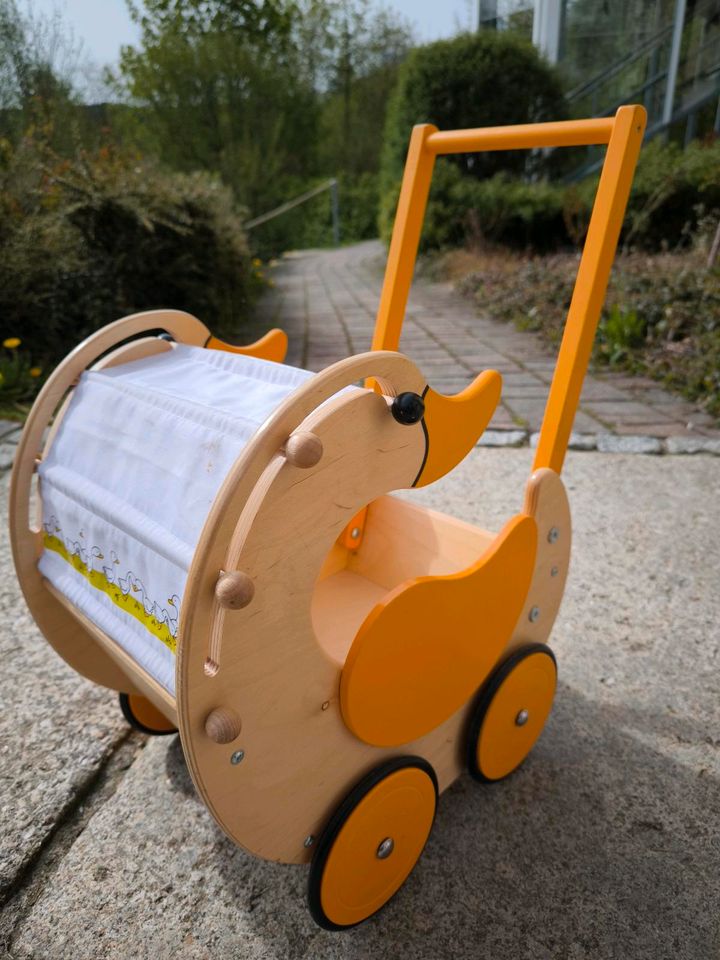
(462, 210)
(474, 80)
(85, 241)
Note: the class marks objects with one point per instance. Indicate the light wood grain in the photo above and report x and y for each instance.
(299, 758)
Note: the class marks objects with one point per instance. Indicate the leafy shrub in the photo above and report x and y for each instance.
(620, 330)
(18, 377)
(462, 210)
(85, 241)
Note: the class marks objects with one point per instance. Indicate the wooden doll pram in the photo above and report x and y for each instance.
(343, 655)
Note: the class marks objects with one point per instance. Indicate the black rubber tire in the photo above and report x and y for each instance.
(135, 723)
(335, 824)
(485, 697)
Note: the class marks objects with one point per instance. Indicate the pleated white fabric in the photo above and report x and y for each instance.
(127, 485)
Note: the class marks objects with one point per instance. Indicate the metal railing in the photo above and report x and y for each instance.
(331, 185)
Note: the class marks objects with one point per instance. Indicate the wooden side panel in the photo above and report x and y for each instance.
(299, 758)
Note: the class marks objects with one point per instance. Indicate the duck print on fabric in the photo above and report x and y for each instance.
(127, 591)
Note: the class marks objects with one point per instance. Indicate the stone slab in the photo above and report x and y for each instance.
(604, 845)
(56, 729)
(609, 443)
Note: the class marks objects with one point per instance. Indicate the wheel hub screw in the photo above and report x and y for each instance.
(534, 614)
(237, 757)
(522, 718)
(355, 533)
(553, 535)
(385, 848)
(309, 841)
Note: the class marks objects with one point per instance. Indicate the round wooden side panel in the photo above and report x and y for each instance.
(274, 786)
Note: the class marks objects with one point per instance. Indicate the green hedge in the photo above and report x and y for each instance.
(672, 191)
(85, 241)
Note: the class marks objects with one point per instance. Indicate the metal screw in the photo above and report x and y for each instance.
(325, 705)
(355, 533)
(554, 571)
(553, 535)
(385, 848)
(534, 614)
(237, 757)
(309, 841)
(522, 718)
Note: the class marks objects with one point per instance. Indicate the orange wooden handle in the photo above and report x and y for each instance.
(623, 134)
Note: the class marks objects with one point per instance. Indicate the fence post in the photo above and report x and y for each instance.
(335, 199)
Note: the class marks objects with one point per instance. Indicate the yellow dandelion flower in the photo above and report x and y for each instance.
(257, 262)
(35, 371)
(12, 342)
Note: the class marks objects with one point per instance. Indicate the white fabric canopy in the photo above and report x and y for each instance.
(128, 482)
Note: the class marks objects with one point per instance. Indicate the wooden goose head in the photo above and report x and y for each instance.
(454, 424)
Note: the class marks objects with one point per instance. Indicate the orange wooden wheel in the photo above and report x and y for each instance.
(511, 712)
(144, 716)
(372, 842)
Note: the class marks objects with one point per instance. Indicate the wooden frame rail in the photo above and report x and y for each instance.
(623, 135)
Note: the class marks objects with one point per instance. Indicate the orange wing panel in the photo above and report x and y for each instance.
(422, 652)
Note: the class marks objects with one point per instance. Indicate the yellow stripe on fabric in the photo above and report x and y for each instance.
(124, 601)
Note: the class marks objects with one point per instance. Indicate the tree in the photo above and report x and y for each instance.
(368, 48)
(37, 61)
(215, 89)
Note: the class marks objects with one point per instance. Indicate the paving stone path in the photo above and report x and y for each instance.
(326, 301)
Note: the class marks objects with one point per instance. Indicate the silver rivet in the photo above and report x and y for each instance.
(522, 718)
(309, 841)
(237, 757)
(555, 571)
(534, 614)
(355, 533)
(325, 705)
(553, 535)
(385, 848)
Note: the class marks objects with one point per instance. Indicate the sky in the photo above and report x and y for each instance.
(104, 26)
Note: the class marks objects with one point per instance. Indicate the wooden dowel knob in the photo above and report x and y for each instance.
(303, 450)
(234, 590)
(222, 725)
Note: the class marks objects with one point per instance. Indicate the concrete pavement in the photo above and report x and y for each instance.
(605, 844)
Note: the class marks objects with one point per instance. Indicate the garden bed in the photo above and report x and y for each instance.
(661, 316)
